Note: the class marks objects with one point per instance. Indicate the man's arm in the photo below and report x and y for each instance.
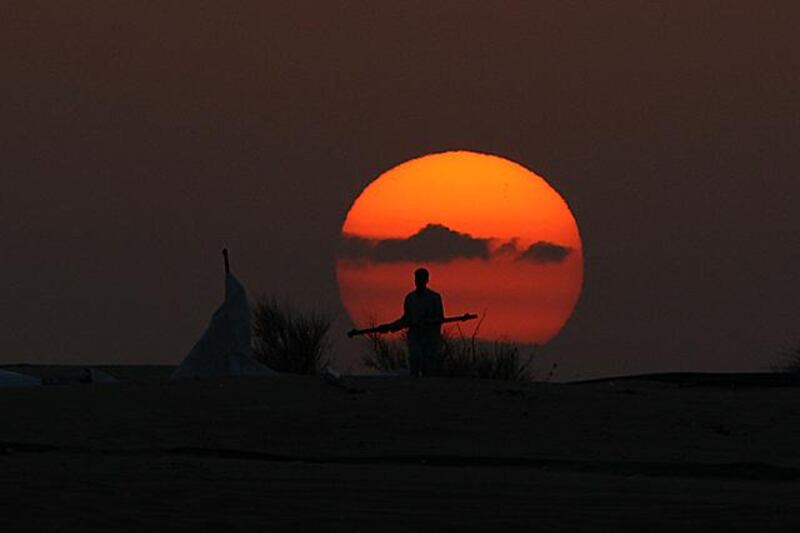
(400, 322)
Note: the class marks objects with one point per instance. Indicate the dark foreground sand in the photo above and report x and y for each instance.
(398, 454)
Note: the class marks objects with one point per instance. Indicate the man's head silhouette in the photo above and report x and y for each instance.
(421, 277)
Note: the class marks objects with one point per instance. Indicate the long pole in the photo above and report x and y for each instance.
(386, 328)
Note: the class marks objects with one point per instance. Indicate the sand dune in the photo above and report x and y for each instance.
(397, 454)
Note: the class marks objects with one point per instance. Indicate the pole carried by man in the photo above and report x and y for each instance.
(391, 328)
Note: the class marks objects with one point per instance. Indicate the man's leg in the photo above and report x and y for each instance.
(431, 357)
(415, 354)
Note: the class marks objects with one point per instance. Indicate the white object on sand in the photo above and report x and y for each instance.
(12, 379)
(224, 349)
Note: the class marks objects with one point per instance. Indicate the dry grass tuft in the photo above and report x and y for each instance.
(789, 361)
(386, 353)
(288, 340)
(469, 356)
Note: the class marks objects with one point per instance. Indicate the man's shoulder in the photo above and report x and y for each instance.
(427, 293)
(434, 294)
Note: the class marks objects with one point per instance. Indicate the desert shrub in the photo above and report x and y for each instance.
(385, 353)
(789, 361)
(288, 340)
(469, 356)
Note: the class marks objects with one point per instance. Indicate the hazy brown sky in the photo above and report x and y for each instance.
(138, 138)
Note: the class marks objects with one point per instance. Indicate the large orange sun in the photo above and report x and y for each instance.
(497, 239)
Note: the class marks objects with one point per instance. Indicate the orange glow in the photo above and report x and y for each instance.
(491, 199)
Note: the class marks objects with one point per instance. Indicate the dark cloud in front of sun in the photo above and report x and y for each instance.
(545, 252)
(435, 243)
(508, 248)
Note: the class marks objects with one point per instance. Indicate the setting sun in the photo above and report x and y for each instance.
(497, 238)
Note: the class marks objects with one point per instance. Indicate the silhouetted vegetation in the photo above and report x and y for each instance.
(469, 356)
(461, 355)
(288, 340)
(385, 353)
(789, 361)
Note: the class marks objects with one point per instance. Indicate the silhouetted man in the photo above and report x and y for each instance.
(422, 314)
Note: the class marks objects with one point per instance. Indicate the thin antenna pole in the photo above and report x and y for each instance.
(227, 261)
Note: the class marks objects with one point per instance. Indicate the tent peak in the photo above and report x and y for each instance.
(227, 261)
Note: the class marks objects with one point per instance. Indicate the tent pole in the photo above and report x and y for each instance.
(227, 261)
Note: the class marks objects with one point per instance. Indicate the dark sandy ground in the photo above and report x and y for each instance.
(397, 454)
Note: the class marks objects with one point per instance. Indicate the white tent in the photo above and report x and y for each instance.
(224, 349)
(12, 379)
